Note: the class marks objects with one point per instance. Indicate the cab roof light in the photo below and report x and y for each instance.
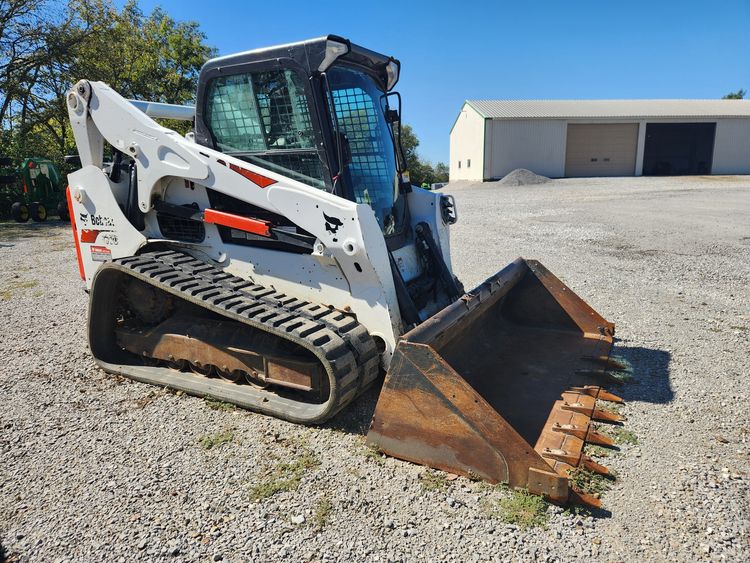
(392, 71)
(334, 49)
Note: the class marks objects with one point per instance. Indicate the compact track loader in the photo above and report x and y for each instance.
(278, 258)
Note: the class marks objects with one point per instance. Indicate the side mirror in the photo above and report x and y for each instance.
(392, 116)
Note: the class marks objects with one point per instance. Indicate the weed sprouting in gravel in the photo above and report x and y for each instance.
(16, 285)
(374, 453)
(284, 476)
(620, 369)
(599, 451)
(519, 507)
(589, 482)
(322, 513)
(433, 481)
(217, 405)
(577, 510)
(619, 434)
(609, 406)
(211, 441)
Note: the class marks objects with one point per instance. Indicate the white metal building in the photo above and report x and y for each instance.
(572, 138)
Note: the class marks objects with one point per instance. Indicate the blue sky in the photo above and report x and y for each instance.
(451, 51)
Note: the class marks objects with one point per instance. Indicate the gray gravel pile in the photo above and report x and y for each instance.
(522, 177)
(98, 468)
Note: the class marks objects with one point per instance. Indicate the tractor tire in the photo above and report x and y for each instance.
(38, 212)
(20, 212)
(62, 211)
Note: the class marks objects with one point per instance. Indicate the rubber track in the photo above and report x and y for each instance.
(344, 346)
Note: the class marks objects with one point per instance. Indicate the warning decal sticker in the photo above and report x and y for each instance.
(100, 253)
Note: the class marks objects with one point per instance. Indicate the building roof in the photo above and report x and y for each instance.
(609, 109)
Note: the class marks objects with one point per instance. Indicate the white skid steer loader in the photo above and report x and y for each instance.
(279, 259)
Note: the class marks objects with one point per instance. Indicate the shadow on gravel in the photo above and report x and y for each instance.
(5, 557)
(650, 375)
(648, 368)
(355, 418)
(17, 231)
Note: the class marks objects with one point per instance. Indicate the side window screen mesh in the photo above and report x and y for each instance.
(265, 116)
(358, 119)
(233, 114)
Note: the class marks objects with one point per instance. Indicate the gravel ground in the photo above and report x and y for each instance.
(98, 468)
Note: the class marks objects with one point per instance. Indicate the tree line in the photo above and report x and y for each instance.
(46, 46)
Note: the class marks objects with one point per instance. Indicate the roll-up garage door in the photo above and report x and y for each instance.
(601, 149)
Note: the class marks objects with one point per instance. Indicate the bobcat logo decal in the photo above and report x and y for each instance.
(332, 223)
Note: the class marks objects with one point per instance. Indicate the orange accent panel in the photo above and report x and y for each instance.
(75, 233)
(255, 226)
(257, 179)
(89, 235)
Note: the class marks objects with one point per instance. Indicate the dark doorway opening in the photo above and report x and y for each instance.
(674, 149)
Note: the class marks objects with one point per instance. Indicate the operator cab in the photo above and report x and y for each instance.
(316, 111)
(319, 111)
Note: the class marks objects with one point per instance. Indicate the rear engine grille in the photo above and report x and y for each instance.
(185, 230)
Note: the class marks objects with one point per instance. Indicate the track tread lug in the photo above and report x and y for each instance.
(348, 349)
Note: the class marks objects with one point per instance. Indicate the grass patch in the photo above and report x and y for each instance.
(322, 513)
(589, 482)
(520, 508)
(620, 369)
(16, 285)
(609, 406)
(215, 440)
(598, 451)
(619, 434)
(284, 477)
(217, 405)
(433, 481)
(374, 454)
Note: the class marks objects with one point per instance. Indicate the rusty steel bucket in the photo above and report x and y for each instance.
(502, 385)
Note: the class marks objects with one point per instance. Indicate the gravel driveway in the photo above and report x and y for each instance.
(99, 468)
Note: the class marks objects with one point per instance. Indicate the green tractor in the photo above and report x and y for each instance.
(34, 190)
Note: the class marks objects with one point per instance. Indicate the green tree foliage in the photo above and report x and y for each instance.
(738, 95)
(46, 48)
(420, 170)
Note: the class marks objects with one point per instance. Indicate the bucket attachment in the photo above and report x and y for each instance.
(502, 385)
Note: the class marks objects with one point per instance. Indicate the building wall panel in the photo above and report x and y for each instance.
(537, 145)
(467, 146)
(732, 147)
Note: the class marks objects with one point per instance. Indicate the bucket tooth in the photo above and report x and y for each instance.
(586, 433)
(593, 413)
(609, 362)
(598, 393)
(599, 439)
(617, 365)
(592, 465)
(583, 499)
(601, 374)
(562, 455)
(572, 430)
(606, 416)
